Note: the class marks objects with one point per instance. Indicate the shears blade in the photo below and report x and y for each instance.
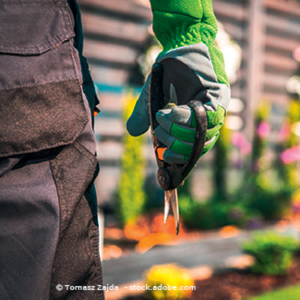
(173, 95)
(171, 176)
(171, 196)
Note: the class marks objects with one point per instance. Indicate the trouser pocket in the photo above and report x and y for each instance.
(41, 104)
(40, 117)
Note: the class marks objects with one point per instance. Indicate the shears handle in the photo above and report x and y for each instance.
(170, 176)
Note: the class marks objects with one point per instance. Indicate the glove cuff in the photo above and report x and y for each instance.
(175, 30)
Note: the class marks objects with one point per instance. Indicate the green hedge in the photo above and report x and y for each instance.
(214, 214)
(273, 253)
(131, 196)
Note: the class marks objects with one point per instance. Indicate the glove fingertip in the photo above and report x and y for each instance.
(181, 115)
(136, 128)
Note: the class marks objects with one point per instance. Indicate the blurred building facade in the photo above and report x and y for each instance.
(116, 34)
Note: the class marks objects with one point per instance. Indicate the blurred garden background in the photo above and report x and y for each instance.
(250, 179)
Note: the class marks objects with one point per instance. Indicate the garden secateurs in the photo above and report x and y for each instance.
(163, 95)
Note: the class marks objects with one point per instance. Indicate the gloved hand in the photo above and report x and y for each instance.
(186, 29)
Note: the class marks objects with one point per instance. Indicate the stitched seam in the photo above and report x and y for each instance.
(176, 13)
(23, 2)
(97, 257)
(84, 151)
(52, 45)
(36, 85)
(67, 24)
(53, 164)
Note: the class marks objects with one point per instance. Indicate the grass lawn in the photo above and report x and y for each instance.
(290, 293)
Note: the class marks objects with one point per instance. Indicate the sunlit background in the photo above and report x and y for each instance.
(250, 179)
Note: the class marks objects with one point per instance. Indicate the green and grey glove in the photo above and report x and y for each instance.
(187, 30)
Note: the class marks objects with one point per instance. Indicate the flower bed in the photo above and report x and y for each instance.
(238, 285)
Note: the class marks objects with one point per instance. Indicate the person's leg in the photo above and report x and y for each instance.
(29, 222)
(48, 234)
(77, 261)
(47, 227)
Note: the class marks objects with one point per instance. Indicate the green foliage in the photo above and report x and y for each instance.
(290, 293)
(260, 194)
(159, 278)
(186, 189)
(130, 194)
(289, 172)
(273, 253)
(259, 141)
(263, 194)
(263, 190)
(221, 164)
(214, 214)
(293, 116)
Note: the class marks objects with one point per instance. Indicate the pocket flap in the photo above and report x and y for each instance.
(41, 117)
(33, 27)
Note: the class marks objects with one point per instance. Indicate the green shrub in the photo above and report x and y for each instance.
(290, 171)
(269, 196)
(220, 164)
(271, 204)
(213, 214)
(273, 253)
(260, 139)
(266, 187)
(131, 196)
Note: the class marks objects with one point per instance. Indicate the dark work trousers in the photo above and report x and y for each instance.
(48, 225)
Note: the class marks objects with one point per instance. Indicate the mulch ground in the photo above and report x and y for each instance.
(237, 285)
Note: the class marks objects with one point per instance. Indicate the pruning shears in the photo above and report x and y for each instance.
(172, 176)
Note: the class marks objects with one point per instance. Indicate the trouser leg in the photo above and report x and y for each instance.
(48, 234)
(29, 228)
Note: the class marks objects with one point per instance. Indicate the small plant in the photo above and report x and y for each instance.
(162, 279)
(221, 159)
(289, 170)
(260, 140)
(264, 189)
(273, 253)
(131, 194)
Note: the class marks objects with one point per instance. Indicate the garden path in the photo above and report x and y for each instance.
(212, 251)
